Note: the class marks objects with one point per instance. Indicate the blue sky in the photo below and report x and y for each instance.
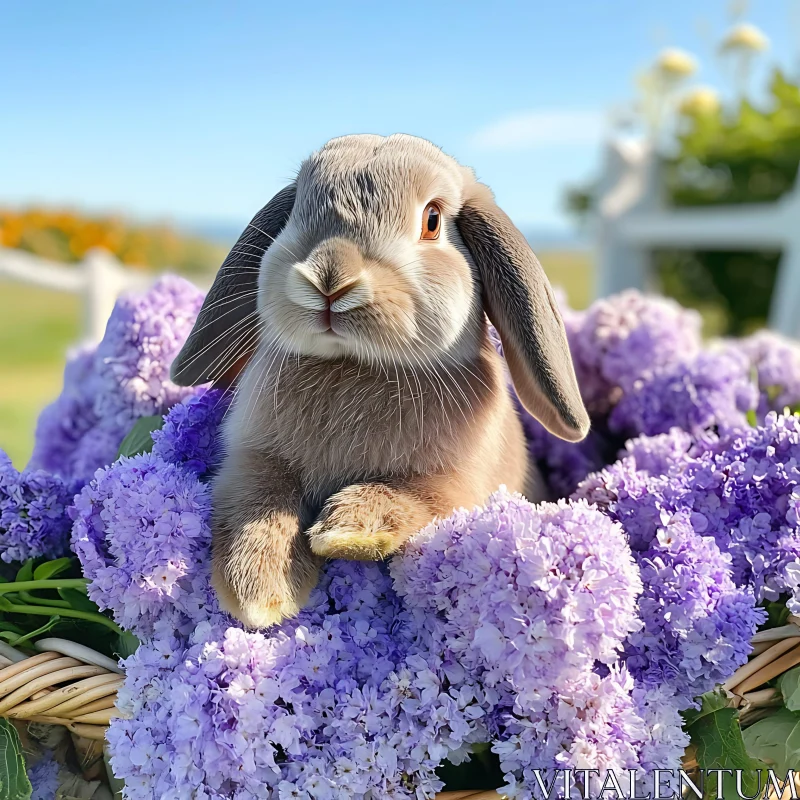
(200, 111)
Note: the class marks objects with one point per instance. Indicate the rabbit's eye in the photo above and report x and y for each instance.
(431, 221)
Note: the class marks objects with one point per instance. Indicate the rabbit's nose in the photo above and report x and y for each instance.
(338, 294)
(308, 289)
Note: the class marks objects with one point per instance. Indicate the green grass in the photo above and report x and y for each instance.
(37, 327)
(573, 271)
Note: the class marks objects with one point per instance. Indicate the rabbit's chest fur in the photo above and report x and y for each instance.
(340, 422)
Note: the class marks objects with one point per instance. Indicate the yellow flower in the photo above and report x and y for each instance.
(675, 63)
(700, 101)
(744, 37)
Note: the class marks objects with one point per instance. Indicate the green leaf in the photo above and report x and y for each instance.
(775, 740)
(78, 600)
(710, 702)
(11, 628)
(139, 439)
(793, 747)
(25, 572)
(718, 739)
(777, 613)
(752, 420)
(127, 644)
(5, 603)
(51, 623)
(51, 568)
(480, 771)
(789, 685)
(14, 783)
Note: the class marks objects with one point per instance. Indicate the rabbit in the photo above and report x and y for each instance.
(369, 399)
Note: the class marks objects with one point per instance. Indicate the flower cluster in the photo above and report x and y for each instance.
(561, 580)
(33, 513)
(642, 370)
(627, 338)
(747, 496)
(525, 602)
(713, 390)
(776, 361)
(698, 624)
(44, 777)
(669, 493)
(314, 708)
(141, 531)
(107, 388)
(742, 489)
(191, 433)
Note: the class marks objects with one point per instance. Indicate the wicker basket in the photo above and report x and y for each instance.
(62, 690)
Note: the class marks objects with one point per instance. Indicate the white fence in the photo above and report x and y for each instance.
(98, 279)
(632, 219)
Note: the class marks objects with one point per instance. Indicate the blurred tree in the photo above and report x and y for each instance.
(748, 156)
(64, 235)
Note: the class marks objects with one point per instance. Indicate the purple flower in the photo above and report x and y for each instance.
(125, 377)
(521, 593)
(698, 621)
(191, 433)
(141, 531)
(628, 338)
(144, 334)
(62, 427)
(591, 723)
(33, 513)
(514, 605)
(748, 496)
(776, 360)
(43, 776)
(713, 390)
(698, 624)
(742, 489)
(311, 708)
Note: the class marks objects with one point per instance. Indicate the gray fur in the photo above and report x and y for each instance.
(374, 400)
(520, 303)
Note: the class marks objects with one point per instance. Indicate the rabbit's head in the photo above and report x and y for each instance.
(387, 250)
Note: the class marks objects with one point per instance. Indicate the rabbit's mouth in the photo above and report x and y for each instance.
(329, 324)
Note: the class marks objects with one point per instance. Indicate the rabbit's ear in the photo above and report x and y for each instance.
(225, 333)
(520, 303)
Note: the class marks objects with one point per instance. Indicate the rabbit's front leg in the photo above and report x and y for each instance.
(262, 567)
(368, 521)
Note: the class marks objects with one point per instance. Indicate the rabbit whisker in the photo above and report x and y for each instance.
(273, 239)
(226, 299)
(242, 345)
(240, 322)
(256, 247)
(439, 361)
(268, 351)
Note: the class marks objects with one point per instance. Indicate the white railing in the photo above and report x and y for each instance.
(632, 219)
(98, 279)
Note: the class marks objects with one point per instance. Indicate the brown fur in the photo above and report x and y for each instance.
(361, 418)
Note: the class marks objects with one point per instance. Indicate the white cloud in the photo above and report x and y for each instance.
(531, 129)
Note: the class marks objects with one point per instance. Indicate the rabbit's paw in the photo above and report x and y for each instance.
(262, 578)
(366, 522)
